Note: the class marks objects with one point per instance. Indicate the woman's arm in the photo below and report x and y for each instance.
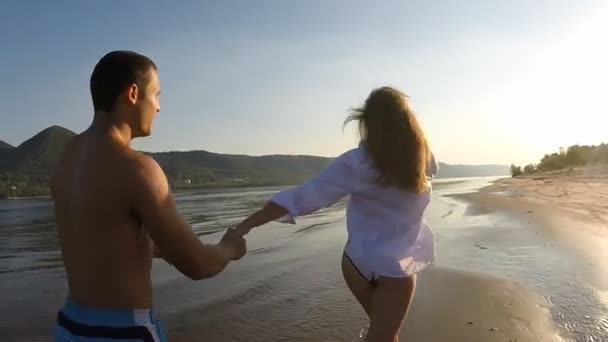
(270, 212)
(325, 189)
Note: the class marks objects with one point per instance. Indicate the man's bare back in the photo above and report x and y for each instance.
(106, 250)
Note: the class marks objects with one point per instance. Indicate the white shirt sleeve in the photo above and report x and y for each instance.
(325, 189)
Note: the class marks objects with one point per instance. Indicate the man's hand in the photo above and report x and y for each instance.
(159, 255)
(234, 244)
(156, 252)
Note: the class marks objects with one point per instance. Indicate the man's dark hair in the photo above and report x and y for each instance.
(116, 71)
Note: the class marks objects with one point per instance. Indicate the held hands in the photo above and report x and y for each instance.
(234, 243)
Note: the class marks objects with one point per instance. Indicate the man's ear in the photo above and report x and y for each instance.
(132, 93)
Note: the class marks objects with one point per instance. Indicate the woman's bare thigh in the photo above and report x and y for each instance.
(389, 304)
(360, 287)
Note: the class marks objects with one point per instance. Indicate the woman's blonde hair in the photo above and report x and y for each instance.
(394, 139)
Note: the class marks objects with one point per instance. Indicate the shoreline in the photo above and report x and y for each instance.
(570, 210)
(442, 181)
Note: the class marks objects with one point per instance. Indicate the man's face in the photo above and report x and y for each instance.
(146, 106)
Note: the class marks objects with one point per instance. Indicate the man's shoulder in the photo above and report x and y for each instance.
(148, 181)
(143, 165)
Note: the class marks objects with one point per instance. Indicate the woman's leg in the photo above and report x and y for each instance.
(358, 285)
(389, 305)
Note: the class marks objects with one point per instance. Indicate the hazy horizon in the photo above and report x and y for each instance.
(492, 83)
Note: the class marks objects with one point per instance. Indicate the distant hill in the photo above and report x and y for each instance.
(30, 165)
(39, 154)
(5, 150)
(5, 146)
(202, 167)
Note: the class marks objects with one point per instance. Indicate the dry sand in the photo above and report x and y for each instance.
(580, 196)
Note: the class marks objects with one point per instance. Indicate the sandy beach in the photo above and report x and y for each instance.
(572, 206)
(580, 195)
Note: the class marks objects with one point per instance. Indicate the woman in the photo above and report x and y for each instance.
(386, 178)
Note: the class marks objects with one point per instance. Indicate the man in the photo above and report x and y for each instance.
(114, 208)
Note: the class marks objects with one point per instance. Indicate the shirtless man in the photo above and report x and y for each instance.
(114, 210)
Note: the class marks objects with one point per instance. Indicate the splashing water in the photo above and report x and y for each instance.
(362, 334)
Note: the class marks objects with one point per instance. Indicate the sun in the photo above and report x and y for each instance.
(563, 101)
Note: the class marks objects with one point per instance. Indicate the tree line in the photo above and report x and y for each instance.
(573, 156)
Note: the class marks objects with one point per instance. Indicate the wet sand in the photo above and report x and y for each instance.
(462, 306)
(450, 305)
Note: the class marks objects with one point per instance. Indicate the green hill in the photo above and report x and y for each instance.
(26, 169)
(39, 155)
(206, 168)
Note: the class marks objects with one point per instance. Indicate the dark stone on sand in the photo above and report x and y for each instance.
(480, 246)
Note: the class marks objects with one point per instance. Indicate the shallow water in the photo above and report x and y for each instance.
(289, 287)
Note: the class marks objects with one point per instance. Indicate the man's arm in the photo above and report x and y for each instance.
(171, 234)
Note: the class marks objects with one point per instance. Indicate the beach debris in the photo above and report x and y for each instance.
(478, 245)
(493, 329)
(530, 211)
(470, 323)
(447, 214)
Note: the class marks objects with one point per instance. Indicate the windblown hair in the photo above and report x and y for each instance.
(394, 140)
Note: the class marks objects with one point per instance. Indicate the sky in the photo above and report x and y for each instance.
(491, 81)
